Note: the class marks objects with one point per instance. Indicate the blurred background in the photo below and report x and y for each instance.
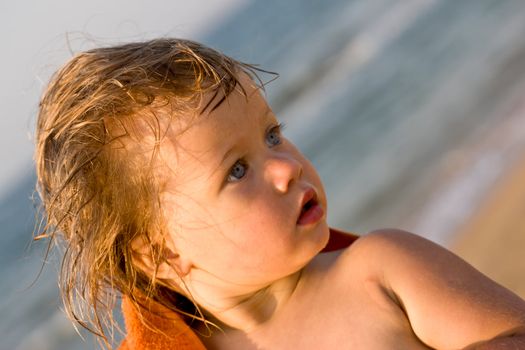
(413, 112)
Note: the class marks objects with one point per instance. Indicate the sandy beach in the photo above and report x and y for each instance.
(493, 240)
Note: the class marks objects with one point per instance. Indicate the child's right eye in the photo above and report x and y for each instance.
(237, 171)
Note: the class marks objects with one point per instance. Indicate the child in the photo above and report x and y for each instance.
(166, 174)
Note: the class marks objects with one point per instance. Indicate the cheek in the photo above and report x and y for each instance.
(186, 215)
(259, 226)
(257, 206)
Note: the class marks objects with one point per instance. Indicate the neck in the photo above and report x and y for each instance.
(245, 309)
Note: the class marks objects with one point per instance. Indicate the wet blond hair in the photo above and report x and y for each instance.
(97, 197)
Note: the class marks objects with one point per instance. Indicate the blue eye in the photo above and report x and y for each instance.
(273, 137)
(237, 171)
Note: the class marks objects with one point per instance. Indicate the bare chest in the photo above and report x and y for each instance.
(330, 312)
(361, 316)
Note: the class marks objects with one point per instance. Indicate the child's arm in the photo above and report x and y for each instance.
(449, 304)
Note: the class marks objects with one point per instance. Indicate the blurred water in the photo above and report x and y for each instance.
(381, 94)
(407, 108)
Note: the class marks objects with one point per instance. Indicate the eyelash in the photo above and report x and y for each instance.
(274, 129)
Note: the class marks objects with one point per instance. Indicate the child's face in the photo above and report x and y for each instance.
(235, 192)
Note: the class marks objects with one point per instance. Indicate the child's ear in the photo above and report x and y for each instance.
(171, 266)
(173, 261)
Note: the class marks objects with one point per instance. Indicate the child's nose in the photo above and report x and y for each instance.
(282, 170)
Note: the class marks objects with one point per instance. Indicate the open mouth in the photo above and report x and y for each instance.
(311, 211)
(308, 205)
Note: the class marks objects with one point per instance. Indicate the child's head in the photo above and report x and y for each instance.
(161, 164)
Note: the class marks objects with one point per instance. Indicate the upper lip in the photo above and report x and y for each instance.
(308, 195)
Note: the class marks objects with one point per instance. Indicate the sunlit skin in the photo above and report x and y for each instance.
(232, 201)
(232, 206)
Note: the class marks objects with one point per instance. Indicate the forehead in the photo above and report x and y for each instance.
(198, 139)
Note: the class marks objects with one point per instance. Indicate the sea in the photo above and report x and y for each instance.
(410, 110)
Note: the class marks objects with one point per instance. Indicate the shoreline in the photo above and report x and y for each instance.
(493, 238)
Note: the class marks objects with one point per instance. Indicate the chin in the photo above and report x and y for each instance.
(320, 236)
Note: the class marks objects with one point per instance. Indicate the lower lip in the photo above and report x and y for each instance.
(311, 216)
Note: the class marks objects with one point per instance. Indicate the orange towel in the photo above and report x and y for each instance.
(160, 329)
(171, 331)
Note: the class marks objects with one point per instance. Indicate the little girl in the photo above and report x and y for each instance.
(165, 173)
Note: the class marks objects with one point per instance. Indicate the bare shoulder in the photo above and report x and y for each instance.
(399, 254)
(393, 241)
(435, 288)
(411, 264)
(387, 250)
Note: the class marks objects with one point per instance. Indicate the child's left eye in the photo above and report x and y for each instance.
(273, 137)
